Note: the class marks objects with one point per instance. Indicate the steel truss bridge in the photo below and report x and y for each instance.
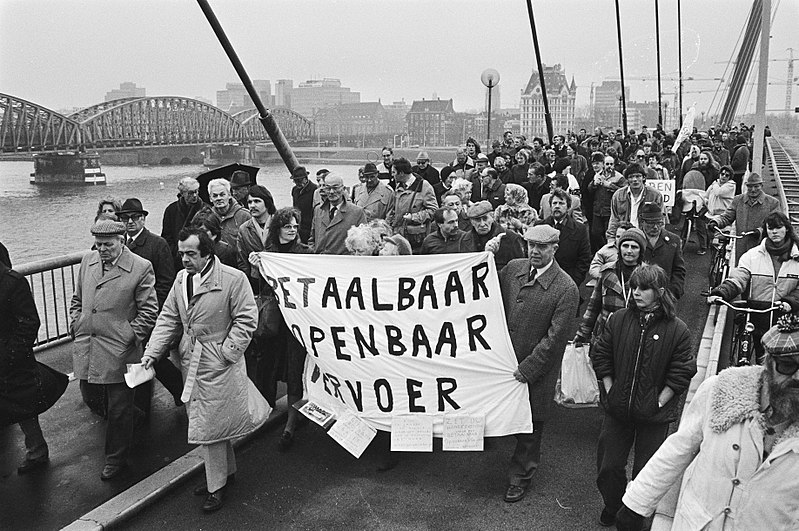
(26, 127)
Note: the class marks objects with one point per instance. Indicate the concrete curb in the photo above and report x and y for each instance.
(129, 502)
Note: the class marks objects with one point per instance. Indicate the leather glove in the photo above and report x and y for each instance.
(629, 520)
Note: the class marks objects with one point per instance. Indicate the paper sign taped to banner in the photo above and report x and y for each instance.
(352, 433)
(667, 189)
(412, 433)
(463, 433)
(403, 335)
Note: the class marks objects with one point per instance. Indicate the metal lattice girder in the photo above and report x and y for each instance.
(294, 125)
(158, 121)
(27, 127)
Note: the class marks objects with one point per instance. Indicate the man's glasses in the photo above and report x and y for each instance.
(127, 217)
(786, 366)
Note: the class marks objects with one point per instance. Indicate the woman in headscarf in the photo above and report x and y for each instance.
(516, 214)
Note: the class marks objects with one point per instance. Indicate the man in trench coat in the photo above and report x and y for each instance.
(112, 312)
(540, 302)
(212, 307)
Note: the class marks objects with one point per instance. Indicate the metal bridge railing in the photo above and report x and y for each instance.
(786, 177)
(52, 283)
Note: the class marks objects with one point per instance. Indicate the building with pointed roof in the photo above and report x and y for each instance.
(561, 95)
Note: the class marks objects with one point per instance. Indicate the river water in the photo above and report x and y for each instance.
(38, 221)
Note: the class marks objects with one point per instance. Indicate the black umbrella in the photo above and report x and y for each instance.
(223, 172)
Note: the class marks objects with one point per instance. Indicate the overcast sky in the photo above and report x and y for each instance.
(69, 53)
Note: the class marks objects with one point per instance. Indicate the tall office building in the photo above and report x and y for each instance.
(283, 90)
(235, 97)
(315, 94)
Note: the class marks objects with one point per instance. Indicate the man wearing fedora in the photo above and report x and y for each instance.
(736, 450)
(540, 302)
(302, 198)
(747, 210)
(112, 313)
(240, 183)
(154, 249)
(374, 197)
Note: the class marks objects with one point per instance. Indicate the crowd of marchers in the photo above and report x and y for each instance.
(577, 212)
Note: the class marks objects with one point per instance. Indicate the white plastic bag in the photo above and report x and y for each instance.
(577, 386)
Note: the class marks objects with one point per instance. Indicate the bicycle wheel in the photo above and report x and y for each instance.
(718, 270)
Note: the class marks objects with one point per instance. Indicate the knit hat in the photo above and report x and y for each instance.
(782, 339)
(262, 193)
(636, 235)
(108, 227)
(650, 211)
(754, 178)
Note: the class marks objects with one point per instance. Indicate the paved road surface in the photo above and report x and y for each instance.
(318, 485)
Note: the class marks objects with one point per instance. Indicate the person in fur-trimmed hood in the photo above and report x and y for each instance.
(738, 445)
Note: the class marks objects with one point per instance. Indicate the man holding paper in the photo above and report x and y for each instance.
(213, 307)
(540, 302)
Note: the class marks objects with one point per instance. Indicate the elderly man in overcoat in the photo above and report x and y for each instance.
(112, 313)
(540, 302)
(333, 218)
(211, 309)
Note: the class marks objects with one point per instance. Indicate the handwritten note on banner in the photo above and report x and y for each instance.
(352, 433)
(463, 433)
(403, 335)
(412, 433)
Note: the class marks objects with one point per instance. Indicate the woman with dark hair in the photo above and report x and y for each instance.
(769, 273)
(472, 148)
(209, 222)
(644, 362)
(284, 356)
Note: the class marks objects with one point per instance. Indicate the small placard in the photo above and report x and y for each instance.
(352, 433)
(317, 413)
(411, 433)
(463, 433)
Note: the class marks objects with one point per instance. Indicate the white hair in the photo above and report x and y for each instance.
(224, 183)
(186, 182)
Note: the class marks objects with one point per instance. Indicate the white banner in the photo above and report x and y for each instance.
(398, 335)
(666, 188)
(686, 129)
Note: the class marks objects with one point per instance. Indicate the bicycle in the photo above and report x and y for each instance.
(742, 352)
(720, 259)
(691, 216)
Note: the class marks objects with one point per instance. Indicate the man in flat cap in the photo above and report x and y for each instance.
(240, 183)
(487, 235)
(425, 170)
(375, 197)
(302, 198)
(663, 248)
(112, 313)
(737, 446)
(747, 211)
(540, 302)
(154, 249)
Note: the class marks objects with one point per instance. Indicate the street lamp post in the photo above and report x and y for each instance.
(490, 79)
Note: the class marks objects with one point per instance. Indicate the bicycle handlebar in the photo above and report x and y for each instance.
(744, 309)
(741, 236)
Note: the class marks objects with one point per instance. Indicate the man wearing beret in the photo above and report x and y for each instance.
(487, 235)
(302, 195)
(663, 248)
(112, 313)
(737, 446)
(540, 302)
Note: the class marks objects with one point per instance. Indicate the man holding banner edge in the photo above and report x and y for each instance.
(540, 301)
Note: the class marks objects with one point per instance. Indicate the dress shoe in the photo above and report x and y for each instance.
(202, 488)
(514, 493)
(29, 465)
(607, 518)
(111, 471)
(285, 442)
(214, 501)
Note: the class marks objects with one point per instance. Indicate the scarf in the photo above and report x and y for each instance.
(781, 252)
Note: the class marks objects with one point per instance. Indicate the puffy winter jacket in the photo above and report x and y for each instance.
(642, 360)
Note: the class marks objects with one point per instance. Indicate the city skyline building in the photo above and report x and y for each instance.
(560, 94)
(432, 123)
(235, 97)
(128, 89)
(314, 94)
